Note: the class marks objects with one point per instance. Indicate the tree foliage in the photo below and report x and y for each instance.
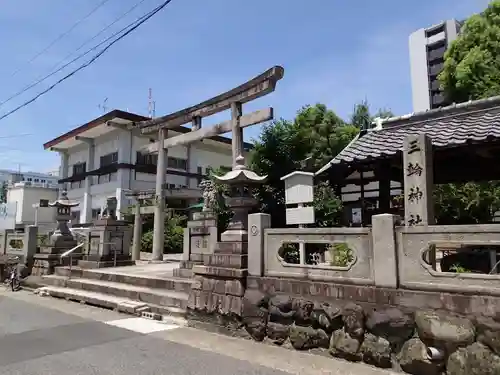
(309, 141)
(472, 67)
(3, 192)
(221, 209)
(471, 71)
(174, 235)
(313, 138)
(469, 203)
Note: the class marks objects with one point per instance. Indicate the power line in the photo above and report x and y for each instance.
(41, 79)
(15, 135)
(143, 19)
(60, 37)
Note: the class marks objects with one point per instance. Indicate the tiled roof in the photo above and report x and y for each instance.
(447, 127)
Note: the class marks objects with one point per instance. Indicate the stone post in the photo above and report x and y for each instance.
(159, 208)
(418, 180)
(136, 245)
(385, 260)
(30, 243)
(256, 251)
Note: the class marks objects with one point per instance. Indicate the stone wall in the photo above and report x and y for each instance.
(376, 309)
(417, 342)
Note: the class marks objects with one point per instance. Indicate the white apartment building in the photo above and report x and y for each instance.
(26, 196)
(35, 178)
(100, 160)
(427, 47)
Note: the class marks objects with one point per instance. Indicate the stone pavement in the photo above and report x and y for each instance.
(42, 336)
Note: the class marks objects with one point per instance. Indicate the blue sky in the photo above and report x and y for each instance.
(337, 52)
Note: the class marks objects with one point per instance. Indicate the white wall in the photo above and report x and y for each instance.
(419, 73)
(26, 197)
(16, 195)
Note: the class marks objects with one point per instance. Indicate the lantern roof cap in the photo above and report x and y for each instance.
(63, 201)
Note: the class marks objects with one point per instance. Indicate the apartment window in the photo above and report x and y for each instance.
(146, 159)
(79, 168)
(434, 31)
(105, 178)
(200, 170)
(76, 184)
(177, 163)
(109, 159)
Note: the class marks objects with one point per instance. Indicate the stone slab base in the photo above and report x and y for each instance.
(105, 263)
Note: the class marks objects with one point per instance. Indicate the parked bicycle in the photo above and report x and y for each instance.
(12, 279)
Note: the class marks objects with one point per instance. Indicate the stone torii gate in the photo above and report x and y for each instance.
(233, 99)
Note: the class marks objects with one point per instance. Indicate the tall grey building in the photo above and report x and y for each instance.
(427, 48)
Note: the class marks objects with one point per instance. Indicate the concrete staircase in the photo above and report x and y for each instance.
(152, 297)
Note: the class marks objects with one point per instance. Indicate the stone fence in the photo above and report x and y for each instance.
(375, 294)
(22, 244)
(384, 256)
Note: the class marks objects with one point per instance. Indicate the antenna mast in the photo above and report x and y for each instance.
(103, 106)
(151, 105)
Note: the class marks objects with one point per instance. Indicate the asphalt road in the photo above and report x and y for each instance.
(46, 336)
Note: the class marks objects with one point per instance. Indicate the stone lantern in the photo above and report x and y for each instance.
(240, 180)
(62, 238)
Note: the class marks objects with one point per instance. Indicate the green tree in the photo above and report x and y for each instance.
(471, 71)
(316, 135)
(309, 141)
(467, 203)
(472, 67)
(221, 210)
(174, 235)
(3, 192)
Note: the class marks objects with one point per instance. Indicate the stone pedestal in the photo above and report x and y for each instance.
(109, 244)
(221, 280)
(200, 239)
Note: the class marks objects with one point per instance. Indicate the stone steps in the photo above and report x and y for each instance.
(173, 283)
(148, 295)
(124, 305)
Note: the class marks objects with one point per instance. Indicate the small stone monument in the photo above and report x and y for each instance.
(110, 240)
(418, 180)
(61, 240)
(200, 236)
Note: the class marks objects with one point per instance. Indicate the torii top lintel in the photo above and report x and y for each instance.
(253, 89)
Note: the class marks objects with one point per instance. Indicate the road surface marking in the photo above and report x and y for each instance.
(142, 325)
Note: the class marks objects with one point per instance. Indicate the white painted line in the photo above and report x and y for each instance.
(142, 325)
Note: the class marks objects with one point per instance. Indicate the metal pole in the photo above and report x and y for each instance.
(70, 264)
(159, 208)
(36, 206)
(302, 245)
